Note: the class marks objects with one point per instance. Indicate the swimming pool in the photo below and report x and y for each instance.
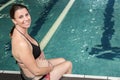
(88, 36)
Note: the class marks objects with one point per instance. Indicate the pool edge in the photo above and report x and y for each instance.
(72, 76)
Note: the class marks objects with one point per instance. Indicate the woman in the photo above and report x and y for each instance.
(27, 53)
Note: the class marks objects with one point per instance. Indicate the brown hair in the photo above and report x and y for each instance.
(13, 9)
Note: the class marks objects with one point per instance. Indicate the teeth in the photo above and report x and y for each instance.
(25, 22)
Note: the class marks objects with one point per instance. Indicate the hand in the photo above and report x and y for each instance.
(51, 65)
(42, 63)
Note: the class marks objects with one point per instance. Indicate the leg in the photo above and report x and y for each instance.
(57, 61)
(54, 62)
(60, 69)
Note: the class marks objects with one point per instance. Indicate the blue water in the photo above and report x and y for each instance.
(88, 36)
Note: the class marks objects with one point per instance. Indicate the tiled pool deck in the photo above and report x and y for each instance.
(15, 75)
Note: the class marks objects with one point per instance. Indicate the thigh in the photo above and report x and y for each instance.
(44, 62)
(56, 61)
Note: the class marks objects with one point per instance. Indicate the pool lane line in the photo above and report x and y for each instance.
(54, 27)
(5, 5)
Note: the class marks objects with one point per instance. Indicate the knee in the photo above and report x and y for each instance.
(69, 67)
(62, 59)
(69, 63)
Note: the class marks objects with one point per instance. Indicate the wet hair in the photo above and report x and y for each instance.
(13, 9)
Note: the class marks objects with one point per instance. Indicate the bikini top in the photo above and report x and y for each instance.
(36, 49)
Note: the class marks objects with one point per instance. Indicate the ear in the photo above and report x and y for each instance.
(14, 21)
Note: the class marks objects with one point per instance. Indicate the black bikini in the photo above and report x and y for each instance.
(36, 49)
(36, 54)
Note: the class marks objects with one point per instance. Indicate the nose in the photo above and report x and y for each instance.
(26, 18)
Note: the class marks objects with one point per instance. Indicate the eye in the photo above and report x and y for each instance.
(21, 16)
(27, 14)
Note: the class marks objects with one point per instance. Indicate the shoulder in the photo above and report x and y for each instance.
(20, 45)
(19, 41)
(20, 48)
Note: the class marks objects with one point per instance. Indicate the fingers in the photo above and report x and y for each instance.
(51, 65)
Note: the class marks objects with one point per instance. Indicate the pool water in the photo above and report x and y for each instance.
(88, 36)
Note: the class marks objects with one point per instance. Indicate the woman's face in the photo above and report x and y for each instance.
(22, 18)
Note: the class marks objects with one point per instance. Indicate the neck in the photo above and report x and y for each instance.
(21, 30)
